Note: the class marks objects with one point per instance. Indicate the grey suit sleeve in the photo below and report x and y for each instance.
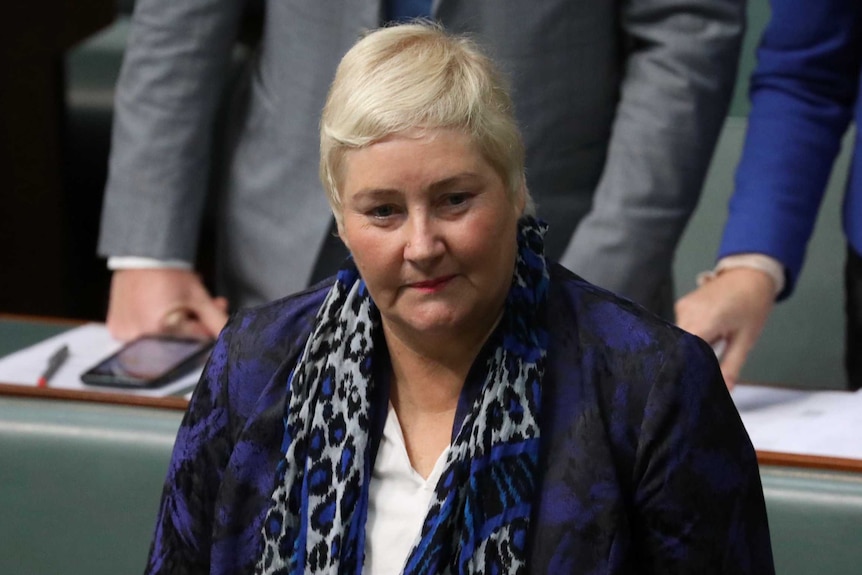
(678, 80)
(170, 83)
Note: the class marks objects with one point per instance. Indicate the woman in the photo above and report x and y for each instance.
(451, 402)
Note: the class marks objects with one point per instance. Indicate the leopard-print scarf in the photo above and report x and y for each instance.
(478, 518)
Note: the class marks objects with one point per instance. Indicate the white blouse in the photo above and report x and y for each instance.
(398, 501)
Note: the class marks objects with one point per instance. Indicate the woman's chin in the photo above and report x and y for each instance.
(442, 324)
(435, 322)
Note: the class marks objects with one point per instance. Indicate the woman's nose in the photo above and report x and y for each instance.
(423, 241)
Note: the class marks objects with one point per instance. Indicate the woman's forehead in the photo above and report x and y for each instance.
(429, 155)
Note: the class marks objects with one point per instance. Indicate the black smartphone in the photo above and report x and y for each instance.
(149, 361)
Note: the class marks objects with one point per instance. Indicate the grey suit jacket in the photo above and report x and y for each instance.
(620, 104)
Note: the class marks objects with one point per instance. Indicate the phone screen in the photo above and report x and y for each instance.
(149, 361)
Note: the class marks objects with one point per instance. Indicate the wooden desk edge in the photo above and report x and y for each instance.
(55, 321)
(127, 399)
(809, 461)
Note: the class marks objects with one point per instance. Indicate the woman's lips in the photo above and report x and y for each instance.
(433, 285)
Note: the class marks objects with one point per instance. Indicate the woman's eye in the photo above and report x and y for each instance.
(456, 199)
(382, 211)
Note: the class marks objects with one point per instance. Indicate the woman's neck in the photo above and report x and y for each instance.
(426, 386)
(425, 398)
(430, 370)
(423, 384)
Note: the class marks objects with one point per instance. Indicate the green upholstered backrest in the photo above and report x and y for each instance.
(80, 485)
(815, 519)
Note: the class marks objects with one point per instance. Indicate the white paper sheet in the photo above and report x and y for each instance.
(88, 344)
(825, 423)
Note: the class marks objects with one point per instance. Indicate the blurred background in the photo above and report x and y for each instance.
(60, 61)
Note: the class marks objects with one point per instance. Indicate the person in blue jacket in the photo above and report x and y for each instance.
(804, 94)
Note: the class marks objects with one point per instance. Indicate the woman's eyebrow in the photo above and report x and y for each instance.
(460, 179)
(456, 180)
(372, 194)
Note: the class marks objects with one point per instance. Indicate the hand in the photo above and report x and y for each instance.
(170, 301)
(733, 307)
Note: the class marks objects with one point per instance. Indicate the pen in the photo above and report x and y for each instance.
(54, 363)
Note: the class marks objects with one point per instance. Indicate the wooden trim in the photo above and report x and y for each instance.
(816, 386)
(126, 399)
(55, 321)
(809, 461)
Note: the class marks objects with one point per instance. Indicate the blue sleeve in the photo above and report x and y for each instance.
(803, 91)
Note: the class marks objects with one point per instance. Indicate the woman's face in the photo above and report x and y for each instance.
(432, 230)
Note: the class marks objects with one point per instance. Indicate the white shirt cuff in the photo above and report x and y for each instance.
(138, 263)
(769, 265)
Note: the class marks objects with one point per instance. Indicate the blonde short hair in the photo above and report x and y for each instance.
(413, 76)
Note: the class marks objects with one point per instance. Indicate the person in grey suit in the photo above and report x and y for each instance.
(621, 105)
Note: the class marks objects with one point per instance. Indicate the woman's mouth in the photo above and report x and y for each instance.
(432, 285)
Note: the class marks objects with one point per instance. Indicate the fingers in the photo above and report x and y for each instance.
(739, 346)
(163, 301)
(174, 319)
(698, 313)
(732, 362)
(732, 307)
(210, 316)
(188, 326)
(203, 319)
(182, 322)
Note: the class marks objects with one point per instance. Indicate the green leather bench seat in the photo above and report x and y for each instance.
(80, 485)
(815, 519)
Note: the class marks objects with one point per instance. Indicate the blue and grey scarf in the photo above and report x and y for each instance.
(479, 516)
